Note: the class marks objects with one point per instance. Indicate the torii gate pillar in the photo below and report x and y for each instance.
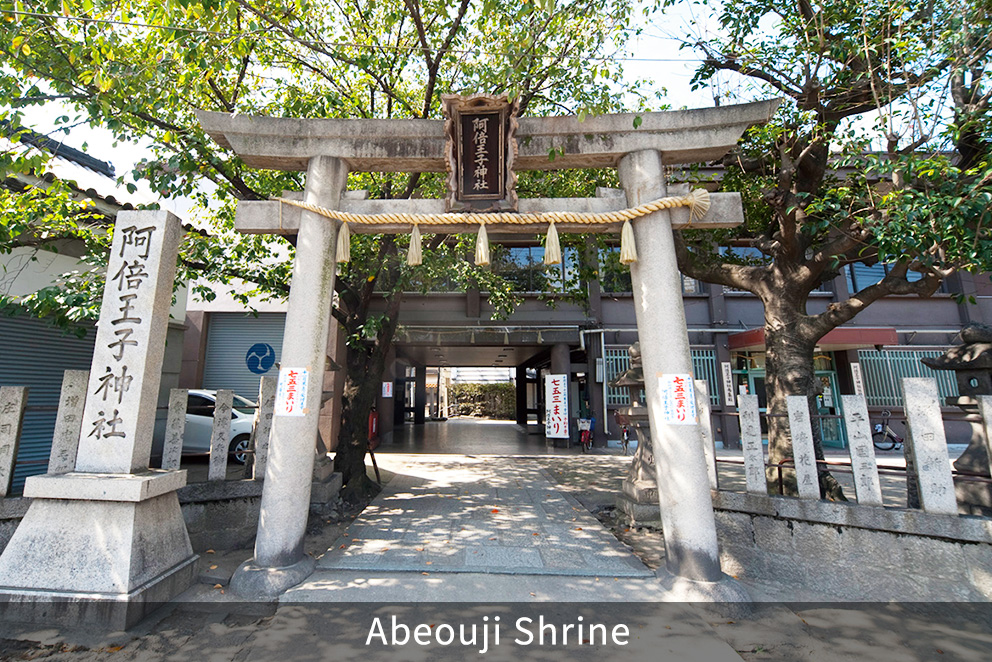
(280, 560)
(692, 557)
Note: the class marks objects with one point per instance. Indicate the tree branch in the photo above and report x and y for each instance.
(732, 275)
(894, 283)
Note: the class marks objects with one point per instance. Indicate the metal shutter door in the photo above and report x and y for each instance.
(35, 355)
(229, 337)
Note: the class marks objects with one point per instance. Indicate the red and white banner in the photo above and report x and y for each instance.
(678, 399)
(291, 394)
(556, 407)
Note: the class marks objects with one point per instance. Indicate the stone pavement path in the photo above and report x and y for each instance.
(209, 624)
(478, 515)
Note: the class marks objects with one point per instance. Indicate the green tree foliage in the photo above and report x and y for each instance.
(879, 153)
(39, 215)
(141, 69)
(496, 400)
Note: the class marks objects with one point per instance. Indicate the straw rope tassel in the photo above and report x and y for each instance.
(699, 203)
(552, 247)
(482, 246)
(344, 244)
(628, 251)
(414, 256)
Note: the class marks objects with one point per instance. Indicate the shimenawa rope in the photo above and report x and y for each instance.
(698, 202)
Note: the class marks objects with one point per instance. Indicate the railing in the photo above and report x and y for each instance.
(927, 478)
(65, 440)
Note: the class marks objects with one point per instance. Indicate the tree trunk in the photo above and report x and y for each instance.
(356, 403)
(789, 371)
(366, 364)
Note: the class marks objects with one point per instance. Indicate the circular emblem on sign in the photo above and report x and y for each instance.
(260, 358)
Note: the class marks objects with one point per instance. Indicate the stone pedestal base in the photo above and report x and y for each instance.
(255, 582)
(973, 497)
(325, 492)
(727, 597)
(97, 549)
(639, 501)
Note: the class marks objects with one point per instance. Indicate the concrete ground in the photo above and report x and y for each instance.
(474, 556)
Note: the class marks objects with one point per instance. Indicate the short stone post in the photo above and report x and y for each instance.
(68, 421)
(13, 400)
(280, 561)
(803, 452)
(692, 555)
(866, 483)
(706, 428)
(220, 435)
(175, 429)
(262, 426)
(104, 544)
(755, 477)
(926, 442)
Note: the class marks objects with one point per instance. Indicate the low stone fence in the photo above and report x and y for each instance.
(937, 550)
(851, 552)
(219, 513)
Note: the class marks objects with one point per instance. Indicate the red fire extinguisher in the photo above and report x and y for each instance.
(374, 441)
(373, 429)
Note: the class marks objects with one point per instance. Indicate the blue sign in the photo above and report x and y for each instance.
(260, 358)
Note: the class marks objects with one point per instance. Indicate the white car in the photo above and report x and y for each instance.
(200, 423)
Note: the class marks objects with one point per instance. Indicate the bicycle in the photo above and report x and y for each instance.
(884, 437)
(585, 434)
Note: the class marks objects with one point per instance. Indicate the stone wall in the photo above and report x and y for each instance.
(218, 515)
(12, 509)
(221, 514)
(850, 552)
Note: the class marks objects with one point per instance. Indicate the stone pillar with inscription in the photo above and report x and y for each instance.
(105, 543)
(691, 554)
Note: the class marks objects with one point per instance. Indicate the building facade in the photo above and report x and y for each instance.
(590, 342)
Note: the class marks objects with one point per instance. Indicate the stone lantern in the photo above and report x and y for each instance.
(639, 498)
(971, 362)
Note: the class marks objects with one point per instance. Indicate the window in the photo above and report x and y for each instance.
(618, 361)
(244, 406)
(859, 276)
(198, 405)
(691, 285)
(885, 369)
(615, 277)
(524, 267)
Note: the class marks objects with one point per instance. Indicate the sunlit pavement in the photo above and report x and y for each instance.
(446, 517)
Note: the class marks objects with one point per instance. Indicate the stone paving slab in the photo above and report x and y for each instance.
(489, 516)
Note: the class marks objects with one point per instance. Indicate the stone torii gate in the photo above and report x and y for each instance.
(328, 149)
